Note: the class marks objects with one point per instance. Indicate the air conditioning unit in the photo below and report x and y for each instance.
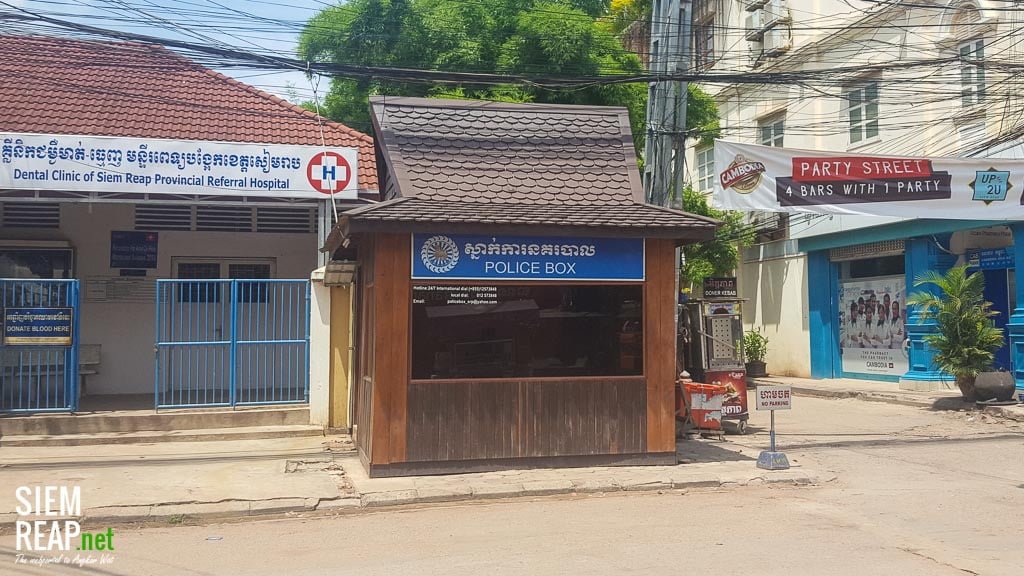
(751, 5)
(777, 41)
(754, 24)
(776, 11)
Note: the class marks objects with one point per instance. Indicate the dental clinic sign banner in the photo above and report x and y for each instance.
(466, 257)
(157, 166)
(752, 177)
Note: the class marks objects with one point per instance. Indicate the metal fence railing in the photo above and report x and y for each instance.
(231, 342)
(38, 347)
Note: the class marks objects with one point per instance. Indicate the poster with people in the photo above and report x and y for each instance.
(873, 326)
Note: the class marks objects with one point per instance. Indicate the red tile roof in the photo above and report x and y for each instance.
(64, 86)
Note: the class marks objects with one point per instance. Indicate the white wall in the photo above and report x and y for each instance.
(777, 305)
(126, 330)
(320, 354)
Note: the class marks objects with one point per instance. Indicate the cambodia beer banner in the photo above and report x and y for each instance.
(158, 166)
(752, 177)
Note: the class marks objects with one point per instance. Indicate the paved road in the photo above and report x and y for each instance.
(918, 493)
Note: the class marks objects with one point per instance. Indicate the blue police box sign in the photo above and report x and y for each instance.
(471, 257)
(38, 326)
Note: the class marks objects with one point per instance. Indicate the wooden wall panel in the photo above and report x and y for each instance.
(392, 285)
(502, 419)
(660, 344)
(364, 419)
(363, 357)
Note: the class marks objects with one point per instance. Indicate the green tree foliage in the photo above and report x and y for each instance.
(967, 338)
(626, 13)
(717, 257)
(556, 37)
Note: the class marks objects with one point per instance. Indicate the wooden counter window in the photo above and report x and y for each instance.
(480, 331)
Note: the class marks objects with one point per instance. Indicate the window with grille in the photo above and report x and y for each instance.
(30, 215)
(972, 73)
(770, 130)
(770, 226)
(705, 169)
(215, 269)
(862, 110)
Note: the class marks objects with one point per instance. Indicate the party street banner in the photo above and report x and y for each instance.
(752, 177)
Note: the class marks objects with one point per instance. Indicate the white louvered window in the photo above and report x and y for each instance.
(203, 218)
(30, 215)
(285, 219)
(223, 219)
(163, 217)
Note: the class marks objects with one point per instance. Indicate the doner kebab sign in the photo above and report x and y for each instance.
(752, 177)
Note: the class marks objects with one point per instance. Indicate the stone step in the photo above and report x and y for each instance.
(129, 421)
(151, 436)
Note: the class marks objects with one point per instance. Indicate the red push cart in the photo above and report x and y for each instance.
(701, 408)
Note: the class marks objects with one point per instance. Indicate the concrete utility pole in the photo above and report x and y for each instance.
(665, 146)
(664, 151)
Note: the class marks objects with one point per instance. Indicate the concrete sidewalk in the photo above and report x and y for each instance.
(181, 482)
(174, 481)
(887, 392)
(703, 464)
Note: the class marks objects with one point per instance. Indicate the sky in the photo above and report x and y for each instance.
(265, 26)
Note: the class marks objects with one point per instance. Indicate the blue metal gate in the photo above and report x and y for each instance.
(231, 342)
(39, 378)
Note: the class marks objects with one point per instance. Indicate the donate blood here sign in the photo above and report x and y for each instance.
(774, 398)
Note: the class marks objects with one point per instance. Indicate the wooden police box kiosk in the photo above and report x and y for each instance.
(517, 299)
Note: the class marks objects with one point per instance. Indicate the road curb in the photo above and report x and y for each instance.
(178, 513)
(1010, 413)
(567, 487)
(1015, 413)
(227, 510)
(864, 396)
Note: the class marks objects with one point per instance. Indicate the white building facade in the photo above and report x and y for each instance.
(928, 79)
(173, 215)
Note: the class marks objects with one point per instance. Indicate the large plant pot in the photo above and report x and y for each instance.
(994, 386)
(756, 369)
(966, 386)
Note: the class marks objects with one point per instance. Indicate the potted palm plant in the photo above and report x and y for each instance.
(755, 347)
(967, 338)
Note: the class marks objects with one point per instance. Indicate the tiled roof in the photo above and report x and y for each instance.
(518, 153)
(465, 165)
(632, 219)
(64, 86)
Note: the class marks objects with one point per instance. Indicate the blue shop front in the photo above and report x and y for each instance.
(895, 218)
(860, 326)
